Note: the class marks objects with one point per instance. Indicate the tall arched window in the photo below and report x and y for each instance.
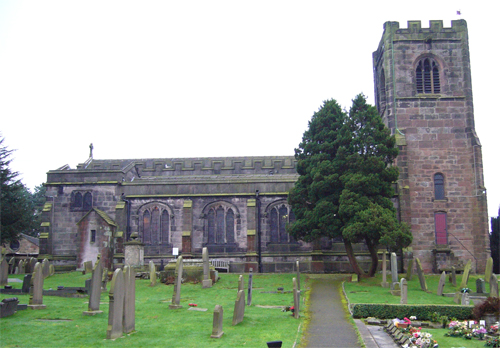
(155, 224)
(438, 186)
(220, 225)
(87, 201)
(427, 75)
(279, 215)
(81, 200)
(381, 94)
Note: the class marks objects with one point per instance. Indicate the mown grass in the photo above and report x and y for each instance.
(156, 324)
(368, 290)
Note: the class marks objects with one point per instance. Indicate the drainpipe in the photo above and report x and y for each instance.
(128, 219)
(259, 248)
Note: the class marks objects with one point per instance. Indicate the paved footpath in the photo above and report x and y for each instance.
(330, 325)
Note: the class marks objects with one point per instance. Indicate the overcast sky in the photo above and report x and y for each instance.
(170, 79)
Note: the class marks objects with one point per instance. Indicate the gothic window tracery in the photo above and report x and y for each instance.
(154, 224)
(280, 215)
(427, 74)
(81, 200)
(220, 224)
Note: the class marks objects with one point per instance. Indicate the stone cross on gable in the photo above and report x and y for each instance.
(91, 146)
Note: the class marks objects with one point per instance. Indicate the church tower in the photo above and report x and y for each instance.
(424, 94)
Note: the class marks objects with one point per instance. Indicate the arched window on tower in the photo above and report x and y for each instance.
(427, 75)
(381, 93)
(438, 186)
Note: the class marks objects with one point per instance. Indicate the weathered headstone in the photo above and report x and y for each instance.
(104, 285)
(26, 283)
(394, 269)
(95, 292)
(453, 276)
(129, 300)
(457, 298)
(241, 286)
(207, 281)
(488, 270)
(297, 265)
(32, 265)
(250, 285)
(384, 283)
(480, 286)
(421, 277)
(52, 270)
(442, 281)
(87, 267)
(36, 290)
(8, 306)
(409, 271)
(493, 285)
(45, 268)
(152, 273)
(239, 308)
(404, 291)
(12, 265)
(21, 267)
(465, 275)
(296, 300)
(465, 299)
(176, 296)
(116, 300)
(4, 272)
(217, 323)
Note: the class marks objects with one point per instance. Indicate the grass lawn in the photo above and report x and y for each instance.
(63, 325)
(368, 290)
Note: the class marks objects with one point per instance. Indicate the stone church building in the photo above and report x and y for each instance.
(237, 207)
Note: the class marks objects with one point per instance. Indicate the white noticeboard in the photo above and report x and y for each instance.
(175, 251)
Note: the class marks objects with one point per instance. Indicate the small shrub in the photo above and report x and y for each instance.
(490, 306)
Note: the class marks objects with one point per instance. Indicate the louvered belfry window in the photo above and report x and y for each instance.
(427, 74)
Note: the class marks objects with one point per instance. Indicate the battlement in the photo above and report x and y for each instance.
(435, 26)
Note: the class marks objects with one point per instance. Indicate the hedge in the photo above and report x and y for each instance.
(422, 312)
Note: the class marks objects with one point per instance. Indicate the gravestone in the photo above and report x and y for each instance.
(409, 271)
(296, 299)
(95, 292)
(152, 273)
(297, 265)
(465, 275)
(116, 300)
(129, 300)
(250, 285)
(36, 290)
(87, 267)
(453, 276)
(384, 283)
(420, 273)
(488, 270)
(465, 299)
(52, 270)
(21, 267)
(442, 281)
(26, 284)
(104, 285)
(4, 272)
(404, 291)
(241, 286)
(239, 308)
(458, 297)
(8, 307)
(493, 285)
(207, 281)
(394, 269)
(12, 265)
(176, 296)
(217, 323)
(88, 286)
(480, 286)
(32, 265)
(45, 268)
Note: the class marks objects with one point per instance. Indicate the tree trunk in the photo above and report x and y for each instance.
(352, 258)
(372, 248)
